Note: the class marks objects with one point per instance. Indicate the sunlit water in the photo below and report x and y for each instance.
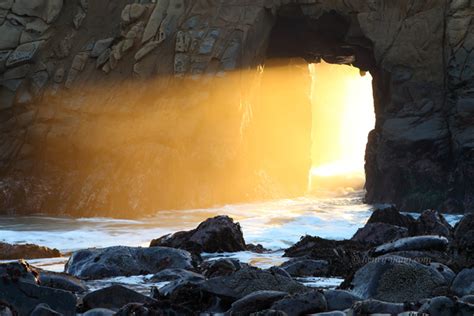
(276, 225)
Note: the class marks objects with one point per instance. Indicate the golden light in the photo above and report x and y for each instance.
(343, 116)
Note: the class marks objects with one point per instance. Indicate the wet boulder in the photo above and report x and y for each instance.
(5, 310)
(221, 267)
(340, 299)
(62, 281)
(249, 280)
(344, 256)
(463, 284)
(396, 279)
(463, 241)
(437, 243)
(177, 278)
(369, 307)
(26, 251)
(114, 298)
(431, 222)
(379, 233)
(302, 304)
(126, 261)
(218, 234)
(44, 310)
(306, 267)
(391, 215)
(20, 288)
(255, 302)
(439, 306)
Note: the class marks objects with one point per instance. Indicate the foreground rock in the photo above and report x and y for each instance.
(344, 257)
(396, 279)
(114, 298)
(27, 251)
(392, 216)
(306, 267)
(255, 302)
(218, 234)
(62, 281)
(431, 222)
(125, 261)
(20, 288)
(463, 284)
(302, 304)
(413, 243)
(463, 242)
(379, 233)
(249, 280)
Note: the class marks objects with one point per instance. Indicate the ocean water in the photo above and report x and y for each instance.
(274, 224)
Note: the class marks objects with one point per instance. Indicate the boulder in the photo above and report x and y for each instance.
(218, 234)
(24, 53)
(5, 310)
(463, 284)
(44, 310)
(26, 251)
(333, 313)
(125, 261)
(468, 299)
(306, 267)
(221, 267)
(302, 304)
(379, 233)
(48, 10)
(99, 312)
(101, 46)
(447, 273)
(413, 243)
(177, 278)
(340, 299)
(391, 215)
(344, 256)
(62, 281)
(431, 222)
(463, 241)
(439, 306)
(114, 298)
(255, 302)
(396, 279)
(369, 307)
(20, 287)
(249, 280)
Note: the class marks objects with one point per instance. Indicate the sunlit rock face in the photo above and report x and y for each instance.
(123, 108)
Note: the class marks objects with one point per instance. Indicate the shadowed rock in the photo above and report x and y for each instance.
(463, 284)
(27, 251)
(255, 302)
(306, 267)
(391, 215)
(114, 298)
(396, 279)
(218, 234)
(379, 233)
(431, 222)
(249, 280)
(62, 281)
(20, 287)
(339, 299)
(125, 261)
(302, 304)
(463, 241)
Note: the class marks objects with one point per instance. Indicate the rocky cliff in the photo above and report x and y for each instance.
(121, 105)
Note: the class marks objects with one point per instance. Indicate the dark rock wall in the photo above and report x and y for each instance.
(110, 106)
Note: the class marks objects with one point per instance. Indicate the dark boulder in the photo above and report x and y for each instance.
(437, 243)
(344, 256)
(379, 233)
(26, 251)
(392, 216)
(19, 287)
(468, 299)
(463, 242)
(439, 306)
(114, 298)
(306, 267)
(249, 280)
(125, 261)
(425, 257)
(218, 234)
(255, 302)
(463, 284)
(99, 312)
(333, 313)
(221, 267)
(369, 307)
(279, 271)
(44, 310)
(302, 304)
(178, 278)
(396, 279)
(158, 308)
(340, 299)
(446, 271)
(62, 281)
(431, 222)
(6, 310)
